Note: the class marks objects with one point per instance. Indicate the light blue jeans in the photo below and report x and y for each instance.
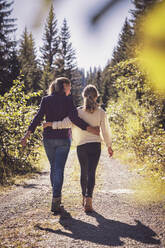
(57, 152)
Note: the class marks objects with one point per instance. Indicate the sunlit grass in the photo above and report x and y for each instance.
(148, 185)
(149, 189)
(40, 165)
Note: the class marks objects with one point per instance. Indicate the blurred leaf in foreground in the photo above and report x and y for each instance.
(151, 52)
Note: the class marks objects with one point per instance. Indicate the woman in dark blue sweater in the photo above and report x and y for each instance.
(55, 107)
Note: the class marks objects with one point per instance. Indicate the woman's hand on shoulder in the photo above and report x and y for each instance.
(94, 130)
(110, 151)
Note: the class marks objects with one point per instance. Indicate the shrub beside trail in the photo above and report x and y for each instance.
(136, 118)
(16, 112)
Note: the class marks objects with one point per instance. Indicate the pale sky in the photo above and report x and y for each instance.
(93, 45)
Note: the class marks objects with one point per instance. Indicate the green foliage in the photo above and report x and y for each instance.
(66, 65)
(15, 116)
(142, 7)
(46, 79)
(96, 77)
(28, 63)
(135, 117)
(125, 47)
(76, 87)
(7, 28)
(49, 50)
(113, 77)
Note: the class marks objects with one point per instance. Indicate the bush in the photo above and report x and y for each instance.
(15, 115)
(135, 117)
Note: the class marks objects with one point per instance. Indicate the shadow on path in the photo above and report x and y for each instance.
(108, 232)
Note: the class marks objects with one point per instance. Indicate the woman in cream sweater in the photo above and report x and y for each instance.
(88, 144)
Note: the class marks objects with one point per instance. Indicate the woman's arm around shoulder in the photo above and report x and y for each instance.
(73, 116)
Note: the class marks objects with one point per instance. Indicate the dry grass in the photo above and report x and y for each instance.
(149, 186)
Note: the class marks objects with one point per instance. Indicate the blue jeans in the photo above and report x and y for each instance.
(57, 152)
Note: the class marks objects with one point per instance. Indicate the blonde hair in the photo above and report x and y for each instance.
(57, 86)
(89, 94)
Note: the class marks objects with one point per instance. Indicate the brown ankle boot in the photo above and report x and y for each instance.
(88, 205)
(56, 202)
(83, 201)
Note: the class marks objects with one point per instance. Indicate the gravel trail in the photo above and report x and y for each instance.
(118, 220)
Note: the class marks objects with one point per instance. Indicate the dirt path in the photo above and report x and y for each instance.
(118, 221)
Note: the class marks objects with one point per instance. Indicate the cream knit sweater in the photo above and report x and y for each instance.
(79, 136)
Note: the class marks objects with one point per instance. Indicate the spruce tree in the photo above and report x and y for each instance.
(28, 63)
(108, 86)
(128, 41)
(99, 84)
(83, 79)
(7, 28)
(95, 77)
(90, 75)
(14, 65)
(128, 38)
(66, 64)
(142, 7)
(49, 50)
(123, 50)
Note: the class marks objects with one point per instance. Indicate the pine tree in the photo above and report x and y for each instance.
(50, 49)
(14, 65)
(66, 63)
(83, 79)
(99, 84)
(128, 37)
(142, 7)
(90, 75)
(46, 78)
(50, 39)
(95, 77)
(7, 27)
(124, 50)
(108, 86)
(29, 63)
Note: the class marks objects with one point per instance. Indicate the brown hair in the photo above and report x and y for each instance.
(89, 94)
(57, 86)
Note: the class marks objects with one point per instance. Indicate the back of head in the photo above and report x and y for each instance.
(90, 94)
(57, 86)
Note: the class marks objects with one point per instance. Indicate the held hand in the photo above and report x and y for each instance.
(94, 130)
(47, 124)
(24, 141)
(110, 151)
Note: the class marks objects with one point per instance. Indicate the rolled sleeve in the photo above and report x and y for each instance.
(65, 123)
